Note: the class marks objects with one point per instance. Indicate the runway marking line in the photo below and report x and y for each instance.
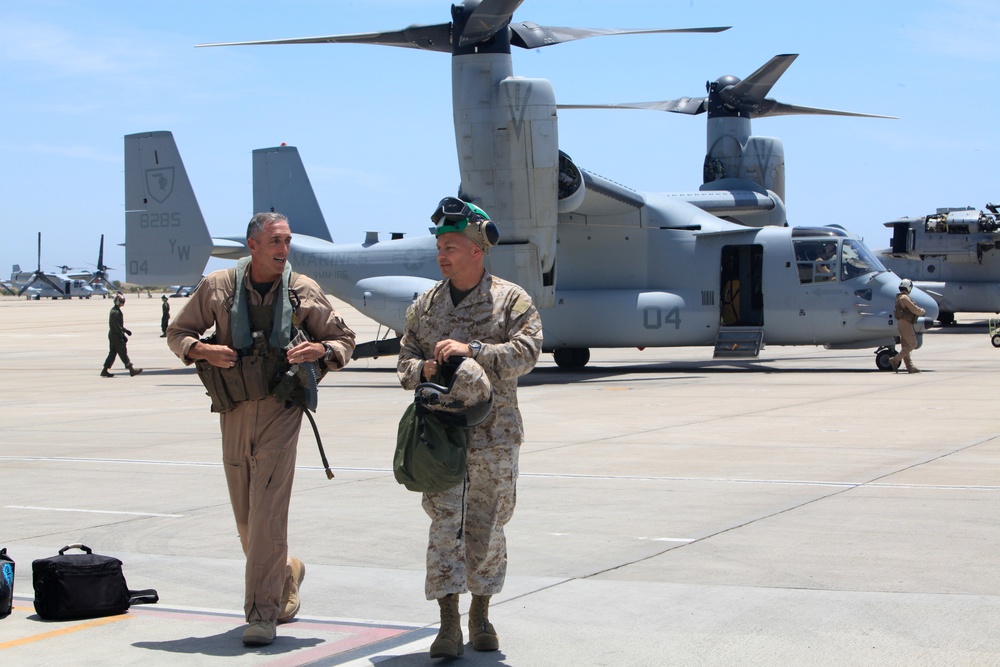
(354, 635)
(93, 623)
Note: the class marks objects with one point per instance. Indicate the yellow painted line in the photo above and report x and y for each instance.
(62, 631)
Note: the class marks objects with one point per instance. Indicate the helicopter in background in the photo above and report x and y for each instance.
(607, 265)
(953, 255)
(38, 284)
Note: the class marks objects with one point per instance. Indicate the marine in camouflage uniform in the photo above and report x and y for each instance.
(466, 549)
(259, 437)
(907, 312)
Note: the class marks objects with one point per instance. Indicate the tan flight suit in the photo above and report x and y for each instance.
(472, 555)
(259, 437)
(907, 313)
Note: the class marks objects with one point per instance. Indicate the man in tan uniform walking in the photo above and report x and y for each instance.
(471, 313)
(260, 311)
(907, 313)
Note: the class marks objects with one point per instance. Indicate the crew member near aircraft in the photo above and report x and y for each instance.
(118, 339)
(165, 318)
(267, 321)
(471, 313)
(907, 313)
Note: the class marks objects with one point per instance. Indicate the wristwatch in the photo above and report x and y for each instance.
(475, 346)
(329, 352)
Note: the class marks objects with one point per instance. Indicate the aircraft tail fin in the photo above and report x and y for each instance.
(166, 238)
(280, 184)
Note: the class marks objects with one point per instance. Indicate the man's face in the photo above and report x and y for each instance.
(269, 251)
(456, 255)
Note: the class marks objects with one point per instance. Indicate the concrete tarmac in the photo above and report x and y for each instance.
(801, 509)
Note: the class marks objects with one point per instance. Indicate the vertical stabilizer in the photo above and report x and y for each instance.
(280, 184)
(166, 239)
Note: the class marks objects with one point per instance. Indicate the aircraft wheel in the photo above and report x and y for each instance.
(571, 357)
(946, 319)
(995, 340)
(882, 357)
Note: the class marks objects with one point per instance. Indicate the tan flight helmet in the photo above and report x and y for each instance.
(462, 397)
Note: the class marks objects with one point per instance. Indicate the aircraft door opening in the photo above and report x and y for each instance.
(742, 301)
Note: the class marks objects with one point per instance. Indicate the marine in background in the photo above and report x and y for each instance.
(907, 313)
(118, 340)
(165, 318)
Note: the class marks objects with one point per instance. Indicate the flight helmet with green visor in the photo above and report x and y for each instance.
(454, 215)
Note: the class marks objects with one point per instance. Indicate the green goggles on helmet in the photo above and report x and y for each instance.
(454, 215)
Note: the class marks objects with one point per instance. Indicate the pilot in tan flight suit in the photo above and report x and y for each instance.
(256, 311)
(907, 313)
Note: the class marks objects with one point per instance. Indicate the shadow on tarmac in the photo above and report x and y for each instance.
(229, 644)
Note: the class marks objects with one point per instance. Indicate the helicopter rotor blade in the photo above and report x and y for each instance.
(426, 38)
(686, 105)
(486, 20)
(529, 35)
(745, 98)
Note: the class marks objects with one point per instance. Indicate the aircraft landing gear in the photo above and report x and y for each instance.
(571, 357)
(882, 357)
(946, 318)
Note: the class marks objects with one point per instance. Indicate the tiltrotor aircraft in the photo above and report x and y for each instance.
(38, 284)
(608, 266)
(953, 255)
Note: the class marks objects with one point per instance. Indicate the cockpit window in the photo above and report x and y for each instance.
(824, 261)
(858, 260)
(817, 261)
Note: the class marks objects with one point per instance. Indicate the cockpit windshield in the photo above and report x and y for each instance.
(859, 260)
(826, 261)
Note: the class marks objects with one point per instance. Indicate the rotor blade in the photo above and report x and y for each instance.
(45, 279)
(100, 255)
(755, 87)
(426, 37)
(771, 107)
(39, 269)
(486, 20)
(532, 36)
(687, 105)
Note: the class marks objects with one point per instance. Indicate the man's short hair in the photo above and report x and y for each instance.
(259, 220)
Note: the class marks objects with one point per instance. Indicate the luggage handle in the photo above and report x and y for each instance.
(81, 547)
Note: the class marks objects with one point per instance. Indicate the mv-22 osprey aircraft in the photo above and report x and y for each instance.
(953, 255)
(607, 265)
(37, 284)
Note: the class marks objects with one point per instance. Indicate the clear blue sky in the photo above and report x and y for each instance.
(373, 124)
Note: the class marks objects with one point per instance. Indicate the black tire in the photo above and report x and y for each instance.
(995, 340)
(571, 357)
(882, 358)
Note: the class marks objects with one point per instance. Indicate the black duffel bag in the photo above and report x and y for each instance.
(87, 585)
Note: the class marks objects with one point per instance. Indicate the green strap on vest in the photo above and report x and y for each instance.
(283, 310)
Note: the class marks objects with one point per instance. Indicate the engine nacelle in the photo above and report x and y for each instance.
(386, 298)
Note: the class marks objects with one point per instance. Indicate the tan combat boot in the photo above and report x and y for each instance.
(481, 632)
(290, 603)
(449, 643)
(259, 633)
